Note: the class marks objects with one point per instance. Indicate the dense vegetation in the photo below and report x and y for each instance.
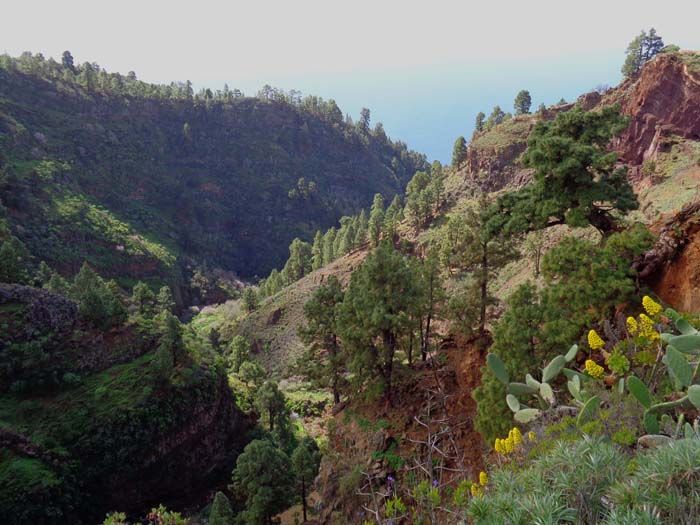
(153, 181)
(110, 404)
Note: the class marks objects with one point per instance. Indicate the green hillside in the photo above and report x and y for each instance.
(143, 181)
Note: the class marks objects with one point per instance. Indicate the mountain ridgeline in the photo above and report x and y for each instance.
(142, 180)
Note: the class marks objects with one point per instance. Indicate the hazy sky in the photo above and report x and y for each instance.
(423, 69)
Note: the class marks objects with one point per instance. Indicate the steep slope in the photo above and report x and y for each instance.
(113, 434)
(139, 184)
(369, 443)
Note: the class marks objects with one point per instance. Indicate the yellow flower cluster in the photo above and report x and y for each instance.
(651, 306)
(632, 325)
(476, 490)
(594, 369)
(483, 479)
(531, 436)
(646, 328)
(509, 444)
(594, 340)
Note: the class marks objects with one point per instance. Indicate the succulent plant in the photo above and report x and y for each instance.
(542, 390)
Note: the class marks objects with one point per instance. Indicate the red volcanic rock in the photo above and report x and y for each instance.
(663, 101)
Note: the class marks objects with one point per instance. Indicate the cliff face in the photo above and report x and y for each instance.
(664, 101)
(493, 156)
(672, 266)
(180, 466)
(86, 427)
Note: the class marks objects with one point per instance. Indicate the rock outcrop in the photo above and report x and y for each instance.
(664, 101)
(672, 266)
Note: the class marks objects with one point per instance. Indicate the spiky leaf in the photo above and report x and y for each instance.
(588, 410)
(651, 423)
(526, 415)
(688, 431)
(553, 368)
(571, 354)
(521, 389)
(678, 367)
(621, 386)
(498, 368)
(513, 402)
(639, 390)
(694, 395)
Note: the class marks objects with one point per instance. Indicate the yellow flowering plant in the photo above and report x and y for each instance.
(595, 341)
(593, 369)
(483, 478)
(652, 307)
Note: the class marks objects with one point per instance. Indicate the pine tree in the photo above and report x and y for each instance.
(363, 123)
(250, 299)
(299, 262)
(376, 219)
(328, 242)
(13, 255)
(98, 302)
(376, 314)
(391, 217)
(270, 403)
(479, 124)
(322, 362)
(588, 191)
(251, 373)
(437, 183)
(432, 295)
(164, 300)
(57, 284)
(264, 477)
(533, 248)
(67, 61)
(643, 48)
(515, 339)
(162, 364)
(84, 281)
(221, 513)
(171, 337)
(470, 247)
(239, 350)
(459, 152)
(306, 460)
(522, 103)
(144, 299)
(584, 283)
(361, 230)
(419, 200)
(43, 274)
(634, 58)
(496, 117)
(317, 251)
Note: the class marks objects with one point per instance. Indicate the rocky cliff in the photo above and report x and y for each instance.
(663, 102)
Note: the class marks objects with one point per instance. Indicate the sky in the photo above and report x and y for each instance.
(424, 69)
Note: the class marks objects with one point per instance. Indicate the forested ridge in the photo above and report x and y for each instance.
(218, 180)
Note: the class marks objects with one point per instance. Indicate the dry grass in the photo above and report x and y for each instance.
(274, 325)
